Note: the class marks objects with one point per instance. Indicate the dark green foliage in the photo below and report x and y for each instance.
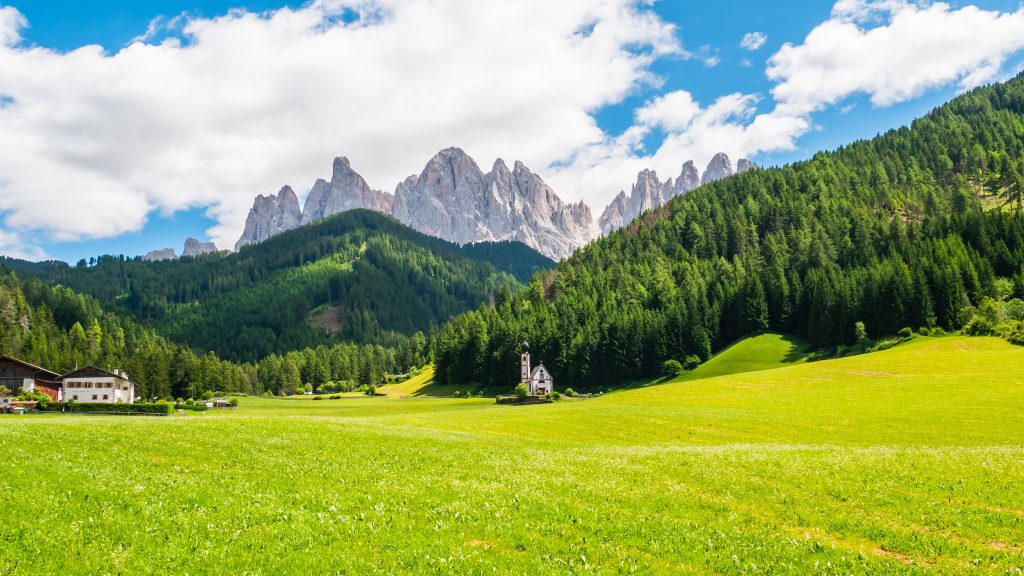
(671, 368)
(521, 391)
(516, 258)
(136, 408)
(908, 229)
(54, 327)
(358, 276)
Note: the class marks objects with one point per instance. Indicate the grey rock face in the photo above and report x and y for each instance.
(454, 199)
(195, 248)
(688, 179)
(271, 215)
(744, 165)
(648, 193)
(347, 190)
(159, 255)
(719, 167)
(615, 214)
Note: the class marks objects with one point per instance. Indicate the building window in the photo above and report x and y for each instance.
(75, 397)
(93, 396)
(104, 396)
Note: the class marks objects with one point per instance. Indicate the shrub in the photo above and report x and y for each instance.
(208, 395)
(905, 333)
(336, 397)
(318, 397)
(522, 391)
(691, 362)
(191, 407)
(860, 334)
(457, 394)
(371, 390)
(570, 392)
(30, 395)
(137, 408)
(554, 395)
(671, 367)
(233, 402)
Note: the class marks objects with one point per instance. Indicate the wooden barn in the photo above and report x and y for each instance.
(17, 375)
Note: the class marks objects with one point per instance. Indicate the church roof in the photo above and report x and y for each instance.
(538, 368)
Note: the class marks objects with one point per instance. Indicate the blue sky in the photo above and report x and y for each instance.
(708, 33)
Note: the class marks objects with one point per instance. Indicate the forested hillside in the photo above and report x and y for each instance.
(358, 277)
(56, 328)
(913, 228)
(59, 329)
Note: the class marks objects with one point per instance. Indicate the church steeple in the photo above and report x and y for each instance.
(524, 362)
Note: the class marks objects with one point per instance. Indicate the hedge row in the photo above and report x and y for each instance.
(192, 407)
(137, 408)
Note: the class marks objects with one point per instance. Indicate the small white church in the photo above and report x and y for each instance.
(538, 380)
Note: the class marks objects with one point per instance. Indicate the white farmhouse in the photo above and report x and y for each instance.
(91, 384)
(538, 380)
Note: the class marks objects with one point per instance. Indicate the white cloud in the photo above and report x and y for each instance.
(753, 40)
(93, 142)
(11, 24)
(14, 246)
(919, 48)
(888, 49)
(222, 109)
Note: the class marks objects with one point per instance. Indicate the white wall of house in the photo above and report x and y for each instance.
(93, 389)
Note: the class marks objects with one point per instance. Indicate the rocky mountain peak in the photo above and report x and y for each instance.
(271, 215)
(347, 190)
(744, 165)
(451, 198)
(160, 255)
(649, 193)
(719, 167)
(195, 248)
(688, 179)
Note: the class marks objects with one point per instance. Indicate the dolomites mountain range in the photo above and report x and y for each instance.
(453, 199)
(192, 249)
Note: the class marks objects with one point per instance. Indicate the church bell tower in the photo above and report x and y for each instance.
(524, 363)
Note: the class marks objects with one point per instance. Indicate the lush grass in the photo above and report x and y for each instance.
(421, 384)
(762, 352)
(904, 461)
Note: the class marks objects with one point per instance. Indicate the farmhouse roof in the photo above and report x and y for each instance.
(90, 370)
(5, 357)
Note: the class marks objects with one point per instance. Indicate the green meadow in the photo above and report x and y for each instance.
(907, 461)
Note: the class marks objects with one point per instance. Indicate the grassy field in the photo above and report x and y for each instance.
(752, 354)
(907, 461)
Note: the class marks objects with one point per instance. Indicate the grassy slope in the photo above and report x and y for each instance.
(904, 461)
(755, 353)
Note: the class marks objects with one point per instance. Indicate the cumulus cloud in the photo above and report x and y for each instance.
(210, 112)
(92, 143)
(11, 23)
(891, 50)
(920, 47)
(753, 41)
(13, 245)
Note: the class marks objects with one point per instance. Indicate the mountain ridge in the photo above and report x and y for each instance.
(454, 199)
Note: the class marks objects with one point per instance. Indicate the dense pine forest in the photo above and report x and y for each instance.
(356, 277)
(912, 229)
(55, 327)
